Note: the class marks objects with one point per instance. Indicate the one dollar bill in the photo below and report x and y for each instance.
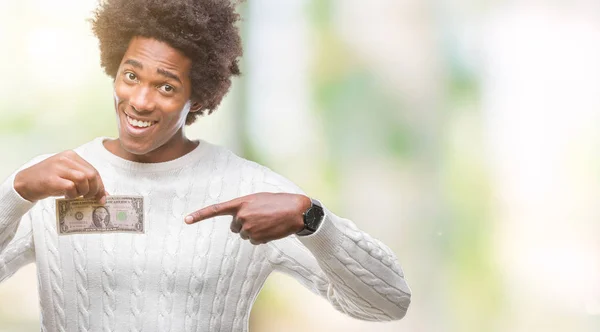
(82, 216)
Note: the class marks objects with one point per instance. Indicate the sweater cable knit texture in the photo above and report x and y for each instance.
(56, 276)
(179, 277)
(139, 260)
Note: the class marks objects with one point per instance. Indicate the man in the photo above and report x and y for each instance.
(216, 225)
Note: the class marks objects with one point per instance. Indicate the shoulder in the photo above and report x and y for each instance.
(89, 148)
(38, 159)
(260, 176)
(231, 163)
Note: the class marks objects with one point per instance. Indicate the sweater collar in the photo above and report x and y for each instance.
(191, 158)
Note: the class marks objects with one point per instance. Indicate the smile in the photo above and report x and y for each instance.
(139, 123)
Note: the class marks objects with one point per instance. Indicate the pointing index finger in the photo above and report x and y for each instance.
(229, 208)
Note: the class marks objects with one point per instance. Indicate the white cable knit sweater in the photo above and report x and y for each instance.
(179, 277)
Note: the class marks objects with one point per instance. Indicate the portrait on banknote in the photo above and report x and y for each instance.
(101, 217)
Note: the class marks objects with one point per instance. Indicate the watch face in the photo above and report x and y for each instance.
(310, 219)
(313, 217)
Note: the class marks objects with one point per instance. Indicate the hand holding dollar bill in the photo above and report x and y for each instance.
(118, 214)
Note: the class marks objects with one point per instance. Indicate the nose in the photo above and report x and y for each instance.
(142, 99)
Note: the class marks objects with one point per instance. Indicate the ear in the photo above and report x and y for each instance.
(195, 107)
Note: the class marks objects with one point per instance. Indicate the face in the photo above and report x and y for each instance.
(101, 213)
(152, 101)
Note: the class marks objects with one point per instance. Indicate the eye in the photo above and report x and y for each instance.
(167, 88)
(130, 76)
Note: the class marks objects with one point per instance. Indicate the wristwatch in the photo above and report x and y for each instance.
(313, 217)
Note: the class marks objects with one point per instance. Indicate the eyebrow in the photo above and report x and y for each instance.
(160, 71)
(168, 74)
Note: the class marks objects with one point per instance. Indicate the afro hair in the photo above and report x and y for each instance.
(204, 30)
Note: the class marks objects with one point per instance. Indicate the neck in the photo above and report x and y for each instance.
(176, 147)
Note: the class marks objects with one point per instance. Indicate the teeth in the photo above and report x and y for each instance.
(139, 124)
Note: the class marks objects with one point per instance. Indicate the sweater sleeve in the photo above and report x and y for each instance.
(16, 237)
(356, 273)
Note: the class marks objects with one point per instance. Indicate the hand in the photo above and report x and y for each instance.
(260, 217)
(64, 174)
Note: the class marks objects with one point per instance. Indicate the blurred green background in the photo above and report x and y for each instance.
(463, 134)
